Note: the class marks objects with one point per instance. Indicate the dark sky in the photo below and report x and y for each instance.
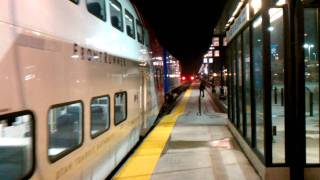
(184, 27)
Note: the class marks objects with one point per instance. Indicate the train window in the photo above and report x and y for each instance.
(116, 14)
(146, 38)
(65, 129)
(120, 107)
(16, 145)
(75, 1)
(139, 32)
(97, 8)
(129, 20)
(100, 115)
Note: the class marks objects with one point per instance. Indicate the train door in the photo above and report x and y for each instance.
(143, 100)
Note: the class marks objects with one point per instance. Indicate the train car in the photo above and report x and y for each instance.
(77, 87)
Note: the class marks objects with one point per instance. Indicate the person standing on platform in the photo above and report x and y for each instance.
(202, 87)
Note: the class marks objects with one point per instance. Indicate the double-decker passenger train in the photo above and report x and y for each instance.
(78, 87)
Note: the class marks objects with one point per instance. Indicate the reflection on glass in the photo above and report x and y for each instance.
(277, 82)
(99, 114)
(97, 8)
(116, 14)
(256, 5)
(247, 80)
(230, 105)
(139, 32)
(65, 129)
(239, 83)
(15, 147)
(258, 82)
(120, 107)
(311, 58)
(234, 85)
(129, 20)
(146, 37)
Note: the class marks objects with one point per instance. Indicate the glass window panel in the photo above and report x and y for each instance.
(311, 52)
(146, 38)
(16, 146)
(239, 83)
(129, 20)
(75, 1)
(65, 129)
(234, 87)
(100, 115)
(247, 81)
(277, 82)
(120, 107)
(258, 82)
(216, 42)
(97, 8)
(229, 52)
(216, 53)
(139, 32)
(116, 14)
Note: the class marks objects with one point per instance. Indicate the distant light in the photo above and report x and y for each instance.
(192, 78)
(75, 56)
(215, 74)
(308, 46)
(271, 28)
(183, 78)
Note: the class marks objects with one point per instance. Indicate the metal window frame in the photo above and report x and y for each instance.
(126, 12)
(53, 159)
(118, 4)
(105, 11)
(93, 136)
(138, 23)
(126, 106)
(318, 8)
(33, 137)
(286, 89)
(237, 38)
(75, 1)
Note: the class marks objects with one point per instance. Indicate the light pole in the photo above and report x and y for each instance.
(308, 46)
(315, 56)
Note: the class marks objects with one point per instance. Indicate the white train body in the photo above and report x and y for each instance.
(54, 52)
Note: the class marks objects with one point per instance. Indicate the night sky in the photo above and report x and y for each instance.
(185, 28)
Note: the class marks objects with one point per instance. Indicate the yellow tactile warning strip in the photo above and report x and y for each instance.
(142, 163)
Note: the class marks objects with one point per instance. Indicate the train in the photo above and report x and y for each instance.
(80, 84)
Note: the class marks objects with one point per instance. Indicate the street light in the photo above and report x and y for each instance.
(315, 56)
(308, 46)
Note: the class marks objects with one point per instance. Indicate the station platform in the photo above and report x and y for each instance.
(186, 145)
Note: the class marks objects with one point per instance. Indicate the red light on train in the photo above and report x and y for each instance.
(192, 78)
(183, 78)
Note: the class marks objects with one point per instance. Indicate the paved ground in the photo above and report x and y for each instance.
(202, 147)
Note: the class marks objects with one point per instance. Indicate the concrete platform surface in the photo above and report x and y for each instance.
(188, 146)
(202, 147)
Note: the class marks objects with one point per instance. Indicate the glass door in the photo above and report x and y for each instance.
(311, 59)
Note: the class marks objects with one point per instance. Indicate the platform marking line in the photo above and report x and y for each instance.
(144, 160)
